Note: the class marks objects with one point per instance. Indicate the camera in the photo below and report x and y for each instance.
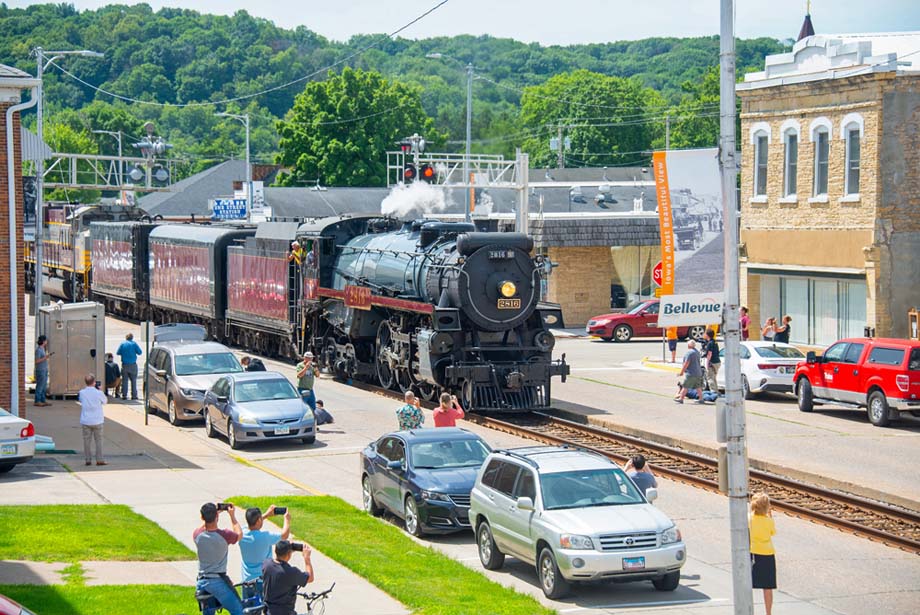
(280, 510)
(223, 506)
(297, 546)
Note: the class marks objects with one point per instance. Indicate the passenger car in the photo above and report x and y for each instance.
(17, 441)
(9, 606)
(423, 476)
(257, 407)
(765, 367)
(178, 374)
(576, 516)
(879, 374)
(639, 320)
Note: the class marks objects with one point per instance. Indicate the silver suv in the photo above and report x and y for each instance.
(576, 516)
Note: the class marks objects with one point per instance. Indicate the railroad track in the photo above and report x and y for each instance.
(878, 521)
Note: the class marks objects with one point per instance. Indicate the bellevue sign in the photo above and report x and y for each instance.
(684, 310)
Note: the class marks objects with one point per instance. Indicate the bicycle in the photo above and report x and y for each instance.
(252, 605)
(316, 601)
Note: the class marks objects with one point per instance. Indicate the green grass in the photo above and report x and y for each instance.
(104, 599)
(423, 579)
(91, 532)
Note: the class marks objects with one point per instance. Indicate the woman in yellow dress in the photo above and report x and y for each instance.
(763, 560)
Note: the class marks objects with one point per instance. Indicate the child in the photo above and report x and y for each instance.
(763, 560)
(322, 415)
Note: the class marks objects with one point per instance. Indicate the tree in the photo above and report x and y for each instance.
(340, 129)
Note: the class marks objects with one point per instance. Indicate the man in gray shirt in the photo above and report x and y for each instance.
(694, 374)
(637, 469)
(213, 545)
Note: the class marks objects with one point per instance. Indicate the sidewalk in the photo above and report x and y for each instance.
(165, 474)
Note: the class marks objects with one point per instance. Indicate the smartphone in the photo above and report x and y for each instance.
(223, 506)
(297, 546)
(280, 510)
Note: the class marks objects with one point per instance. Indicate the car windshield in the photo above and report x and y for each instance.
(262, 390)
(779, 352)
(635, 308)
(467, 453)
(207, 363)
(583, 488)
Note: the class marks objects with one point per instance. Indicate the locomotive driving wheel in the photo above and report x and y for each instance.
(386, 358)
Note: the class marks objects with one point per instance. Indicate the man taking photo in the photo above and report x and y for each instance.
(213, 544)
(256, 544)
(283, 580)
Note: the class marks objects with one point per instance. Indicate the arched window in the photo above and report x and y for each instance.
(820, 135)
(790, 132)
(760, 139)
(851, 131)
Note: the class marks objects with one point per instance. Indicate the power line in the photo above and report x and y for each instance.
(560, 100)
(262, 92)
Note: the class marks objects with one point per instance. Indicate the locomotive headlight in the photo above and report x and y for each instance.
(508, 289)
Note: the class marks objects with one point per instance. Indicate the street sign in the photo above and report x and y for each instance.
(656, 273)
(228, 209)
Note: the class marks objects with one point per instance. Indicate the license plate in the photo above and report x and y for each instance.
(509, 304)
(8, 450)
(282, 431)
(633, 563)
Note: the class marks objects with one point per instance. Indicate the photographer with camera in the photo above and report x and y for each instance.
(283, 580)
(213, 545)
(256, 543)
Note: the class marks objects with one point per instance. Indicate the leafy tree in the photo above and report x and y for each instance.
(340, 129)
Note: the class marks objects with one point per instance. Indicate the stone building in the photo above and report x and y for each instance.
(830, 186)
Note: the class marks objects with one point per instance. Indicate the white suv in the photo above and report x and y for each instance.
(576, 516)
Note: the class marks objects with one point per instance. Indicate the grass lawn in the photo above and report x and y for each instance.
(83, 533)
(423, 579)
(102, 599)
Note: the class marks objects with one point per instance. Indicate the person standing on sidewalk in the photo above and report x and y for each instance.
(763, 555)
(129, 351)
(448, 412)
(713, 360)
(306, 378)
(213, 545)
(781, 332)
(409, 416)
(41, 371)
(694, 374)
(671, 335)
(112, 375)
(745, 324)
(91, 418)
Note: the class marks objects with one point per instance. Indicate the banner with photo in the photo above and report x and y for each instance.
(688, 187)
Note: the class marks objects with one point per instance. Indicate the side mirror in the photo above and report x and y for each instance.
(160, 372)
(395, 465)
(525, 504)
(651, 494)
(222, 399)
(811, 357)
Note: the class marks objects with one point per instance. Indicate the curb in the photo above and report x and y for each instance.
(674, 368)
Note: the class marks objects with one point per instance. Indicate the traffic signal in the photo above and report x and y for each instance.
(427, 173)
(409, 172)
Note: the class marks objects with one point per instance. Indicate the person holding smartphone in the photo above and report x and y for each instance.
(448, 412)
(213, 545)
(281, 580)
(256, 543)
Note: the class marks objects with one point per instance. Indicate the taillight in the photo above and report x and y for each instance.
(762, 366)
(903, 382)
(28, 431)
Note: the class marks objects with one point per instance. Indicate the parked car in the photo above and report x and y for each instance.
(576, 516)
(178, 374)
(179, 332)
(878, 374)
(639, 320)
(423, 476)
(257, 407)
(17, 441)
(8, 606)
(765, 367)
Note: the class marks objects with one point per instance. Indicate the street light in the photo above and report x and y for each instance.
(40, 55)
(244, 119)
(469, 119)
(121, 163)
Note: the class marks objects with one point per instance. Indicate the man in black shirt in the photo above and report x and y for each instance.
(713, 361)
(281, 580)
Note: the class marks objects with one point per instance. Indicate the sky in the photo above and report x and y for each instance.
(555, 22)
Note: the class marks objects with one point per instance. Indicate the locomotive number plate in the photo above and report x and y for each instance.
(358, 297)
(509, 304)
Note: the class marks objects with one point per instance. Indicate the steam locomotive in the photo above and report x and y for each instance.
(426, 305)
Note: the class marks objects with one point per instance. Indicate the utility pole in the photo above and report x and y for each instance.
(560, 157)
(522, 219)
(244, 119)
(469, 139)
(667, 132)
(734, 405)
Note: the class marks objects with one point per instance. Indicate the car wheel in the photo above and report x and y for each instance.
(308, 440)
(208, 424)
(745, 387)
(171, 411)
(668, 582)
(413, 525)
(696, 332)
(489, 555)
(623, 333)
(231, 436)
(805, 396)
(551, 581)
(877, 409)
(367, 497)
(6, 467)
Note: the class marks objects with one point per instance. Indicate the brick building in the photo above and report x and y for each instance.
(830, 186)
(12, 83)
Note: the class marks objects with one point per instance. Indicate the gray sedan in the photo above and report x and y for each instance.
(257, 407)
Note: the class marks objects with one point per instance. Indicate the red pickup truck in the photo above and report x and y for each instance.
(878, 374)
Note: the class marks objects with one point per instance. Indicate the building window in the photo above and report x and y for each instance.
(822, 151)
(760, 165)
(852, 162)
(823, 309)
(791, 164)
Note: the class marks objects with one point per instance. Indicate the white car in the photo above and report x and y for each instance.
(765, 367)
(17, 441)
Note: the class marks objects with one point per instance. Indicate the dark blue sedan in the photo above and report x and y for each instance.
(423, 476)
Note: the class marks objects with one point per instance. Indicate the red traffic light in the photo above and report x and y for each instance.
(409, 172)
(427, 173)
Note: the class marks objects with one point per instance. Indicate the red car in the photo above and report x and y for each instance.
(880, 375)
(10, 607)
(641, 320)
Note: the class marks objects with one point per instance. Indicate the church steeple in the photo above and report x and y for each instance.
(807, 28)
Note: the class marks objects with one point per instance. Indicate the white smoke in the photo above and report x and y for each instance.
(417, 198)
